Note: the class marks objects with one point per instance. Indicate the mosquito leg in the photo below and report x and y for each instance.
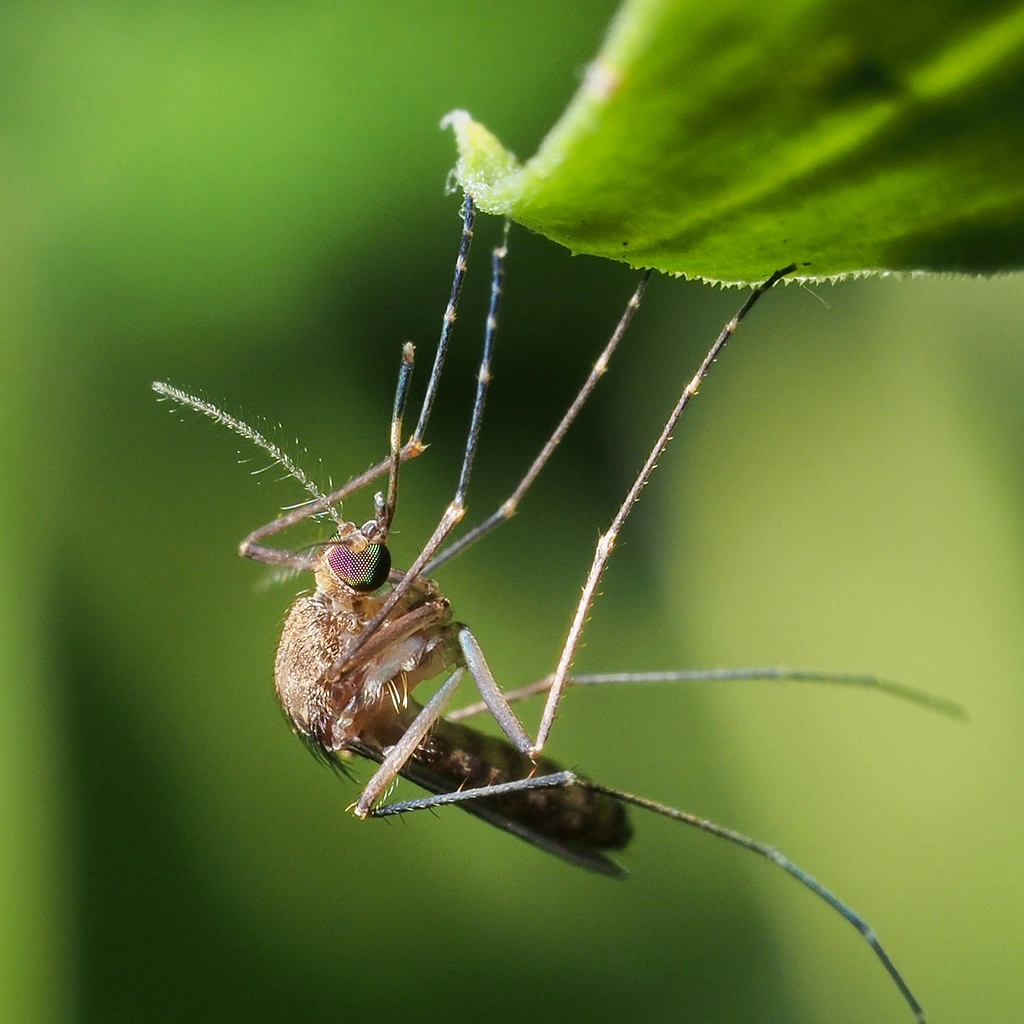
(508, 508)
(414, 446)
(386, 514)
(450, 313)
(721, 675)
(562, 780)
(406, 746)
(607, 541)
(511, 696)
(776, 857)
(484, 374)
(493, 699)
(457, 506)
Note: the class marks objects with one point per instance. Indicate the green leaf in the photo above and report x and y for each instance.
(723, 140)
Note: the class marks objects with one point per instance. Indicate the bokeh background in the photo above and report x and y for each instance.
(248, 200)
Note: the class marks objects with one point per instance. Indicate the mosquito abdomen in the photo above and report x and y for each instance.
(455, 757)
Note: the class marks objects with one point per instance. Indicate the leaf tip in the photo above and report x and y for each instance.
(484, 165)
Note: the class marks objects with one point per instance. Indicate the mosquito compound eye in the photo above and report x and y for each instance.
(364, 570)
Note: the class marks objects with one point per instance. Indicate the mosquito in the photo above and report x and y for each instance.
(353, 650)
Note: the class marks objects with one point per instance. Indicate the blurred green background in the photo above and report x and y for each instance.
(248, 200)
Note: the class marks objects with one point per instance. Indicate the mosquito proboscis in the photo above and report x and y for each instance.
(352, 652)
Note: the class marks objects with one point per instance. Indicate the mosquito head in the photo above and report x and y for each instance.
(364, 570)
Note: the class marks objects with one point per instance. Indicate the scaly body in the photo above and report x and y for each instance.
(366, 708)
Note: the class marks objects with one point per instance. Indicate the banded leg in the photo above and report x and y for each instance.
(386, 512)
(397, 756)
(448, 323)
(723, 675)
(509, 506)
(607, 541)
(457, 506)
(563, 779)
